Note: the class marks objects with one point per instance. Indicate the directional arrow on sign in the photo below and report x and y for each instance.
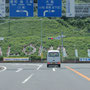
(23, 11)
(47, 11)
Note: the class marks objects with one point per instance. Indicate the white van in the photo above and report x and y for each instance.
(53, 58)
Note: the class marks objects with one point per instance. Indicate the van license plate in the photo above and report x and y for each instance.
(53, 63)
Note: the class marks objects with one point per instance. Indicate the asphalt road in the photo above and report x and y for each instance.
(27, 76)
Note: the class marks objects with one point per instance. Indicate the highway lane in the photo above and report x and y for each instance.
(39, 77)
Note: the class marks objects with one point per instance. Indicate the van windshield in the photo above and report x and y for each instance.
(53, 54)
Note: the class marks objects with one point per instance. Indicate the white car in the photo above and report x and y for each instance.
(53, 58)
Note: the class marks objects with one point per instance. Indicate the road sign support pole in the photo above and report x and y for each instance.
(62, 45)
(9, 27)
(41, 40)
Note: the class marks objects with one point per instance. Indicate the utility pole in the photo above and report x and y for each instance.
(62, 45)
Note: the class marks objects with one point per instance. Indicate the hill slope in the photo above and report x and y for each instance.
(23, 32)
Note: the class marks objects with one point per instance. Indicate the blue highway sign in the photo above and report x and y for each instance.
(21, 8)
(49, 8)
(84, 59)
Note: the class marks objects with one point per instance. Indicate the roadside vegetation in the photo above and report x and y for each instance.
(21, 33)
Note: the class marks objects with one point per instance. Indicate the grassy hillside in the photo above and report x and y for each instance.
(22, 32)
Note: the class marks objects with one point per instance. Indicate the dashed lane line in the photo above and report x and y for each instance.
(19, 69)
(54, 69)
(39, 66)
(27, 79)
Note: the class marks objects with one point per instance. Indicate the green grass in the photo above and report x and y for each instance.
(28, 31)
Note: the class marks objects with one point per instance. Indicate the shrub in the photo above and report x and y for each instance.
(35, 57)
(69, 59)
(1, 58)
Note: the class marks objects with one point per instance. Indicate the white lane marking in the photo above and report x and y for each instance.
(27, 79)
(54, 69)
(19, 69)
(39, 66)
(4, 68)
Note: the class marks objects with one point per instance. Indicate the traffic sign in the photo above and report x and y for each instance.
(2, 8)
(50, 38)
(58, 38)
(84, 59)
(49, 8)
(21, 8)
(70, 8)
